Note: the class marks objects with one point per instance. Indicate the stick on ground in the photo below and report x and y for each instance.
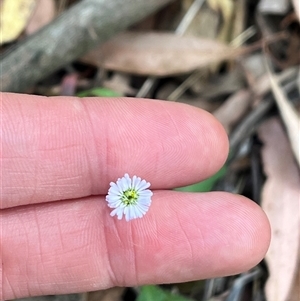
(76, 31)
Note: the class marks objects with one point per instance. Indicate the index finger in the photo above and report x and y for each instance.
(64, 147)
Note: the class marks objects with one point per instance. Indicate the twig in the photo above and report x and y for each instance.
(251, 121)
(68, 37)
(288, 113)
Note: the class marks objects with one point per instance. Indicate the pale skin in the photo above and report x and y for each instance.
(58, 157)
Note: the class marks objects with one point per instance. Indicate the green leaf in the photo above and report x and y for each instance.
(101, 92)
(155, 293)
(205, 185)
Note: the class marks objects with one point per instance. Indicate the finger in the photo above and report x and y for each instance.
(75, 246)
(64, 148)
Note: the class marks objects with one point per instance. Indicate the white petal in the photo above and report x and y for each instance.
(145, 203)
(139, 184)
(136, 183)
(133, 212)
(128, 181)
(130, 214)
(145, 193)
(114, 204)
(119, 184)
(124, 184)
(139, 212)
(112, 198)
(114, 189)
(143, 185)
(144, 200)
(126, 213)
(143, 209)
(114, 212)
(118, 211)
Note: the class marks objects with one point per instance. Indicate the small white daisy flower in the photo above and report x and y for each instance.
(129, 197)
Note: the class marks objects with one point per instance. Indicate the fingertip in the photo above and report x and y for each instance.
(203, 132)
(230, 232)
(220, 143)
(249, 230)
(259, 230)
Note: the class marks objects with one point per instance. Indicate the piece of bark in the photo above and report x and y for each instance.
(79, 29)
(280, 201)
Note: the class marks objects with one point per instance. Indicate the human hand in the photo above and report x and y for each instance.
(59, 156)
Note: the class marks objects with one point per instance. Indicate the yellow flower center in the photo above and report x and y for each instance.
(129, 197)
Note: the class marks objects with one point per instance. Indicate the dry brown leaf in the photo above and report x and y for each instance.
(280, 200)
(159, 54)
(43, 14)
(296, 4)
(14, 17)
(289, 115)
